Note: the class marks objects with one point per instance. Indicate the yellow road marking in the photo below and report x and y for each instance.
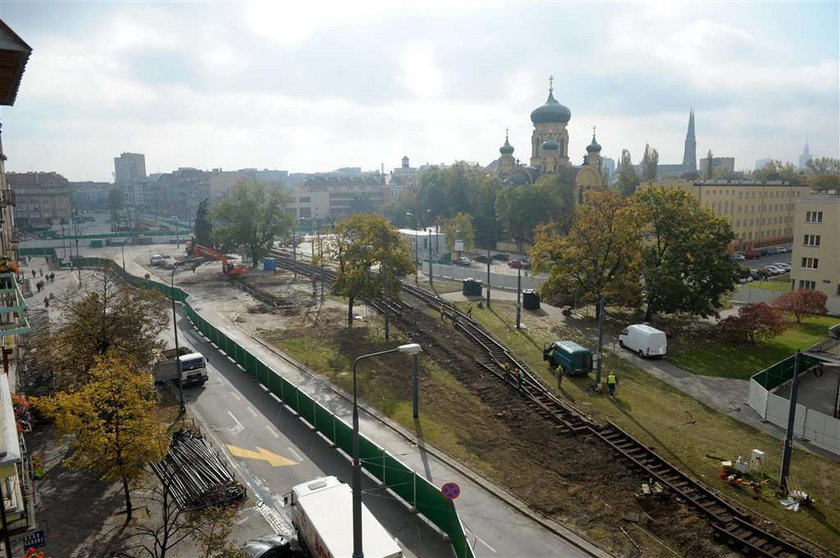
(273, 459)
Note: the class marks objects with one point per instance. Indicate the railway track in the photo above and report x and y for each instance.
(731, 525)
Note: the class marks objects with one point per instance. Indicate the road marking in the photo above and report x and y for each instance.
(273, 459)
(235, 396)
(239, 426)
(480, 540)
(252, 411)
(271, 429)
(295, 454)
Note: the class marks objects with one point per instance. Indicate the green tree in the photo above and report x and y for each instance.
(359, 243)
(203, 227)
(777, 170)
(112, 421)
(685, 264)
(252, 217)
(824, 174)
(599, 256)
(650, 160)
(551, 199)
(108, 318)
(459, 227)
(626, 180)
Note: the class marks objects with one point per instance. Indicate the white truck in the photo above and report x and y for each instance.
(193, 367)
(321, 513)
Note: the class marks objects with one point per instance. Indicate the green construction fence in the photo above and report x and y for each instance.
(426, 498)
(774, 376)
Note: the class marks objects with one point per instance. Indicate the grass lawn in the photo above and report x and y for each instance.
(710, 357)
(683, 430)
(779, 283)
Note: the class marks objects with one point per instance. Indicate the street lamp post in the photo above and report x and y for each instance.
(600, 342)
(488, 277)
(416, 257)
(358, 552)
(181, 407)
(122, 248)
(519, 295)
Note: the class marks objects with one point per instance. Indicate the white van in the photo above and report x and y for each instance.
(644, 340)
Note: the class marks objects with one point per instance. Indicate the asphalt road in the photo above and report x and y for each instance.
(241, 413)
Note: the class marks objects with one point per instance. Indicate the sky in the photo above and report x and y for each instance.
(314, 86)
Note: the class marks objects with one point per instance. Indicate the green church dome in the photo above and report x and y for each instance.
(551, 111)
(506, 149)
(593, 147)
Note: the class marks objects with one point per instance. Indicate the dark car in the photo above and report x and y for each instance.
(752, 255)
(268, 546)
(524, 263)
(502, 257)
(481, 259)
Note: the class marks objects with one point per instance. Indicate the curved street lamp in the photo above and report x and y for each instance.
(412, 349)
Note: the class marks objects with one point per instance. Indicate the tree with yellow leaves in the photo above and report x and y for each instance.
(112, 420)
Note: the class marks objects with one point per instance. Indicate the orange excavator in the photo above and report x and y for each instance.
(198, 251)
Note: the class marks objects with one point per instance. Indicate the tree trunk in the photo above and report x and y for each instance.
(127, 500)
(648, 312)
(350, 312)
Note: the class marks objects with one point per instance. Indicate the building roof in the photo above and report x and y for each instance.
(14, 53)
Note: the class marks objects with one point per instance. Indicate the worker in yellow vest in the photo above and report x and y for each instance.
(612, 381)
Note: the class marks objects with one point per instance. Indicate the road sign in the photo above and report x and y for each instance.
(459, 245)
(35, 540)
(450, 490)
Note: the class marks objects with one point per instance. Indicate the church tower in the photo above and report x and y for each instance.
(506, 162)
(550, 139)
(690, 152)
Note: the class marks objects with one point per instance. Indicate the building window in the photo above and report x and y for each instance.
(811, 240)
(813, 216)
(805, 284)
(810, 263)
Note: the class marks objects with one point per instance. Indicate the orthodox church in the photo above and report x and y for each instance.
(550, 150)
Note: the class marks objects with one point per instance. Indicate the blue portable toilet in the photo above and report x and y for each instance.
(269, 264)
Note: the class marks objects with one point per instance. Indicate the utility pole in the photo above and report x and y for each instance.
(600, 341)
(788, 447)
(431, 272)
(488, 277)
(182, 408)
(519, 296)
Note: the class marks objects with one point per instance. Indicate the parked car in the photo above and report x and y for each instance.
(737, 257)
(770, 251)
(523, 263)
(502, 257)
(752, 255)
(782, 250)
(462, 260)
(481, 259)
(783, 266)
(771, 269)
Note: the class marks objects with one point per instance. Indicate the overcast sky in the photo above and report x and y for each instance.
(315, 85)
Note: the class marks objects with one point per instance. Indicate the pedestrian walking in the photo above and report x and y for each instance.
(46, 302)
(519, 377)
(52, 277)
(34, 274)
(469, 312)
(612, 382)
(41, 271)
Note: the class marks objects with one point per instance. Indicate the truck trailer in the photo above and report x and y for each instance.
(322, 511)
(193, 367)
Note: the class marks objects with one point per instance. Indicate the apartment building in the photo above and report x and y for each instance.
(815, 262)
(17, 496)
(760, 213)
(42, 199)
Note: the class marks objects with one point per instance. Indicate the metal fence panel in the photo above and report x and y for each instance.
(399, 478)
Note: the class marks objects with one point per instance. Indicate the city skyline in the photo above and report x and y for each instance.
(313, 88)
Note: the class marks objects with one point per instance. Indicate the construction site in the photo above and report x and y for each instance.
(631, 475)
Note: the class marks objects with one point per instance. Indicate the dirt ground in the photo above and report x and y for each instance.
(575, 481)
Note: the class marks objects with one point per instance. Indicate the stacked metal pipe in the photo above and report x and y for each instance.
(195, 475)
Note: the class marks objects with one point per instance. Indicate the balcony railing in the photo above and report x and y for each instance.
(7, 198)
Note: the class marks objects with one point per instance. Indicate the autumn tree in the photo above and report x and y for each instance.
(112, 422)
(459, 227)
(802, 303)
(203, 227)
(252, 216)
(754, 322)
(626, 180)
(170, 524)
(685, 264)
(650, 160)
(599, 256)
(361, 242)
(824, 174)
(109, 317)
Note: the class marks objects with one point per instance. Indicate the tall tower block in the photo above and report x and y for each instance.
(690, 152)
